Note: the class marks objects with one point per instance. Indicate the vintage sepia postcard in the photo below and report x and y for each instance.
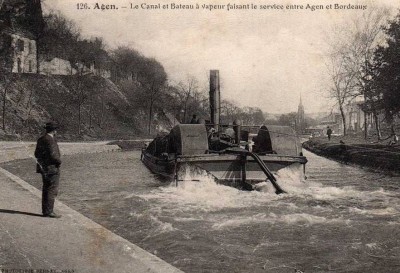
(199, 136)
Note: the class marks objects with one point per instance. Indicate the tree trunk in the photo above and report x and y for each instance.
(102, 113)
(365, 127)
(29, 99)
(150, 114)
(79, 119)
(90, 116)
(63, 112)
(185, 108)
(4, 108)
(343, 120)
(377, 126)
(90, 119)
(5, 102)
(392, 128)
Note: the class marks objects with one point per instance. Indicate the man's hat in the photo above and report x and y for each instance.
(50, 126)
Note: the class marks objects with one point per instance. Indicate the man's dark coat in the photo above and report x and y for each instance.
(47, 152)
(48, 157)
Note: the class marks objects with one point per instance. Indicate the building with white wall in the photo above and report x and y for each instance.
(24, 53)
(56, 66)
(20, 23)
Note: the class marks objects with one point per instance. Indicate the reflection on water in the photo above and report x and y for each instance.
(340, 219)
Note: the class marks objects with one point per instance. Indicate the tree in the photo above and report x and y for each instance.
(6, 53)
(351, 52)
(343, 82)
(367, 34)
(80, 96)
(59, 37)
(152, 78)
(6, 79)
(386, 79)
(230, 111)
(251, 116)
(186, 91)
(127, 62)
(288, 119)
(373, 96)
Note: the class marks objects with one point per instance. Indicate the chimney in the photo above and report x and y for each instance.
(215, 98)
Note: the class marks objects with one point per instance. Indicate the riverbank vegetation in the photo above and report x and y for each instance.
(378, 156)
(363, 65)
(137, 98)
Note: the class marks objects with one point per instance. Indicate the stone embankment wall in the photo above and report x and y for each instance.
(374, 156)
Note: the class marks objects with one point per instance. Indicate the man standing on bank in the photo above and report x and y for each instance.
(48, 158)
(329, 133)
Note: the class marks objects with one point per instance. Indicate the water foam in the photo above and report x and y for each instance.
(198, 190)
(377, 212)
(159, 227)
(272, 218)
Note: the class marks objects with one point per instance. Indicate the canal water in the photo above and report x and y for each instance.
(341, 219)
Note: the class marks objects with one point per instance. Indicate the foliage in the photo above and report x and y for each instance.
(386, 76)
(287, 119)
(230, 112)
(62, 38)
(59, 37)
(351, 52)
(126, 62)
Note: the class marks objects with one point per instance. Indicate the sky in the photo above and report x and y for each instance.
(266, 58)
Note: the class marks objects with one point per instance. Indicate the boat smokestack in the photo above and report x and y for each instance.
(215, 98)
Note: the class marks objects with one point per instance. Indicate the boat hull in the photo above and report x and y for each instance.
(227, 169)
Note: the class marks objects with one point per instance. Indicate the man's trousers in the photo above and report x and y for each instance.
(49, 192)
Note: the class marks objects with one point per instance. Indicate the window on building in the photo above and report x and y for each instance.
(20, 45)
(29, 47)
(30, 66)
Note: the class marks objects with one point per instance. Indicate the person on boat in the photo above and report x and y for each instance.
(244, 136)
(213, 139)
(229, 131)
(211, 132)
(194, 119)
(262, 142)
(237, 129)
(329, 133)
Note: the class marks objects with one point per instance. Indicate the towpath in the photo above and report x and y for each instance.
(377, 156)
(72, 243)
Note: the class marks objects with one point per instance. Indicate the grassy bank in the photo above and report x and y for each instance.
(355, 150)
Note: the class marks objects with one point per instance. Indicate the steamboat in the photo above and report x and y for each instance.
(226, 152)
